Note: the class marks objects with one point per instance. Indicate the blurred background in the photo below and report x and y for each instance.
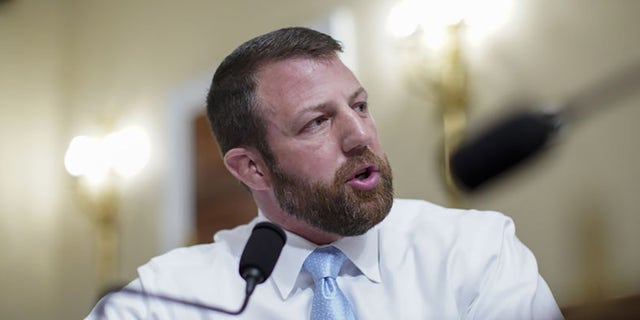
(130, 77)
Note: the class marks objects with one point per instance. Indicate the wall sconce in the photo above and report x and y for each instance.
(431, 37)
(96, 163)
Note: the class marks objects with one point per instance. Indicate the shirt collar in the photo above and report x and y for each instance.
(362, 251)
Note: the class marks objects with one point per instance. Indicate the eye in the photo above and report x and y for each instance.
(315, 123)
(361, 107)
(318, 121)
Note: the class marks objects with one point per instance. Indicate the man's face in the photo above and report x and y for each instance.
(330, 169)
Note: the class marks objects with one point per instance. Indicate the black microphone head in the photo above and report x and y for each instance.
(502, 147)
(262, 251)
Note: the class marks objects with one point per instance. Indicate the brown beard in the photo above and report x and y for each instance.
(337, 208)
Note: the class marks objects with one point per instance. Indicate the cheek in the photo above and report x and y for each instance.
(315, 164)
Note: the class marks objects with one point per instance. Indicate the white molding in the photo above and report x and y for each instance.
(177, 220)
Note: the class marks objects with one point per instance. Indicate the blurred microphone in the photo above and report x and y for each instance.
(256, 264)
(505, 145)
(521, 136)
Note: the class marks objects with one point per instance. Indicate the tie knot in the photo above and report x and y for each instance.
(324, 262)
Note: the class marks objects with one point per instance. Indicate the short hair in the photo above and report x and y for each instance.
(232, 103)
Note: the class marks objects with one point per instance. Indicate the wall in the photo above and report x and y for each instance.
(31, 99)
(67, 65)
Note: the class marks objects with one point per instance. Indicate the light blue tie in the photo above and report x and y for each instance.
(329, 303)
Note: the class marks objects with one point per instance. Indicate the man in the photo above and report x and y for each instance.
(294, 127)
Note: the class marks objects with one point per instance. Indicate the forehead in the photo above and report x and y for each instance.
(298, 83)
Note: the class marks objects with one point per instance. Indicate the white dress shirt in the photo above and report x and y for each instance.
(422, 262)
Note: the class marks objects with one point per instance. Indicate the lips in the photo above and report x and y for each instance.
(365, 177)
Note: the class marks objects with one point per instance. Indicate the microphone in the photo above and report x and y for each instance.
(258, 259)
(504, 146)
(261, 254)
(522, 135)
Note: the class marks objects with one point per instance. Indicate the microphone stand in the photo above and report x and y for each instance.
(250, 287)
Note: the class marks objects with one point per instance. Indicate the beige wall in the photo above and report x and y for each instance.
(31, 94)
(66, 65)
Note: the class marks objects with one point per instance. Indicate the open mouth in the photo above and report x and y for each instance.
(364, 178)
(364, 172)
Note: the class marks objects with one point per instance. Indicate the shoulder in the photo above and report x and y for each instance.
(226, 242)
(469, 237)
(186, 258)
(463, 248)
(184, 268)
(419, 216)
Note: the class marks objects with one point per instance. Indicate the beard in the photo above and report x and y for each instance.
(336, 207)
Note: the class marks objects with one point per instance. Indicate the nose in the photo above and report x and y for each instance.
(357, 132)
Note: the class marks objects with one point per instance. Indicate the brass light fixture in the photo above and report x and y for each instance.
(96, 165)
(432, 36)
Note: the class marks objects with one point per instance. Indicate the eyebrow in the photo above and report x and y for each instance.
(321, 106)
(358, 92)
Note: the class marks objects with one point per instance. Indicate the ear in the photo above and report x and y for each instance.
(246, 165)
